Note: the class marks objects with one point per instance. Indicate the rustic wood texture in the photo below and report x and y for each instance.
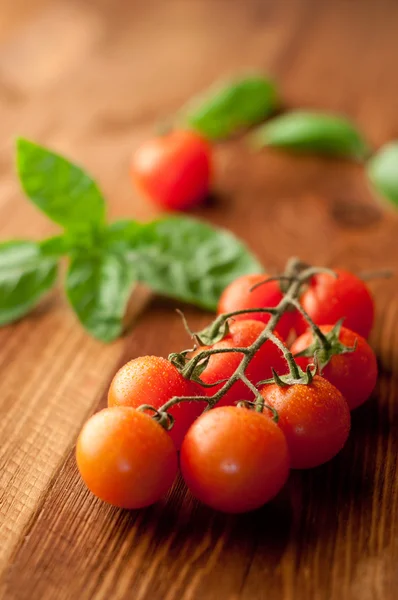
(91, 78)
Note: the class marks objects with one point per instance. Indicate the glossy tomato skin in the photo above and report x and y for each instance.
(126, 458)
(353, 373)
(234, 459)
(222, 366)
(238, 296)
(173, 170)
(329, 299)
(315, 419)
(154, 380)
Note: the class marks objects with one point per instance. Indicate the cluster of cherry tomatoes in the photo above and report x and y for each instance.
(234, 457)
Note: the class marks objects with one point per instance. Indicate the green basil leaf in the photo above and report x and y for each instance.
(225, 110)
(62, 190)
(98, 287)
(186, 259)
(25, 275)
(312, 132)
(71, 243)
(56, 246)
(382, 170)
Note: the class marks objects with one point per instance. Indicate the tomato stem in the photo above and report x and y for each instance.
(326, 345)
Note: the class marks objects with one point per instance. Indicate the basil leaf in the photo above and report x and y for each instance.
(25, 275)
(225, 110)
(98, 287)
(56, 246)
(312, 132)
(186, 259)
(62, 190)
(382, 171)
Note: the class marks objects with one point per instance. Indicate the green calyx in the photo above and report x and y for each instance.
(179, 359)
(213, 333)
(299, 378)
(192, 368)
(322, 352)
(165, 419)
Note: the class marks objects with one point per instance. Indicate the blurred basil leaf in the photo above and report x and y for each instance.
(61, 189)
(314, 132)
(222, 111)
(57, 246)
(123, 235)
(26, 274)
(98, 287)
(382, 170)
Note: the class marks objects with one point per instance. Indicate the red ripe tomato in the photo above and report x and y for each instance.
(353, 373)
(154, 380)
(223, 365)
(173, 170)
(315, 419)
(329, 299)
(126, 458)
(234, 459)
(238, 296)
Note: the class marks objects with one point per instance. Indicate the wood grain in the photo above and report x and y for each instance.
(92, 78)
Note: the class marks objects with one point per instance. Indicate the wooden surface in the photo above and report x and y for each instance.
(91, 78)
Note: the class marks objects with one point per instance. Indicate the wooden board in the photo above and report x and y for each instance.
(92, 78)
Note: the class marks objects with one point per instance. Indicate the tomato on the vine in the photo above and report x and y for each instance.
(315, 419)
(126, 458)
(222, 366)
(329, 299)
(353, 373)
(240, 295)
(174, 169)
(234, 459)
(154, 380)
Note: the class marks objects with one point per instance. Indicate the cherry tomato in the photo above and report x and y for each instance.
(329, 299)
(315, 419)
(126, 458)
(173, 170)
(234, 459)
(239, 295)
(353, 373)
(222, 366)
(154, 380)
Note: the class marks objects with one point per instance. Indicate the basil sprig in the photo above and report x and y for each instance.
(179, 257)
